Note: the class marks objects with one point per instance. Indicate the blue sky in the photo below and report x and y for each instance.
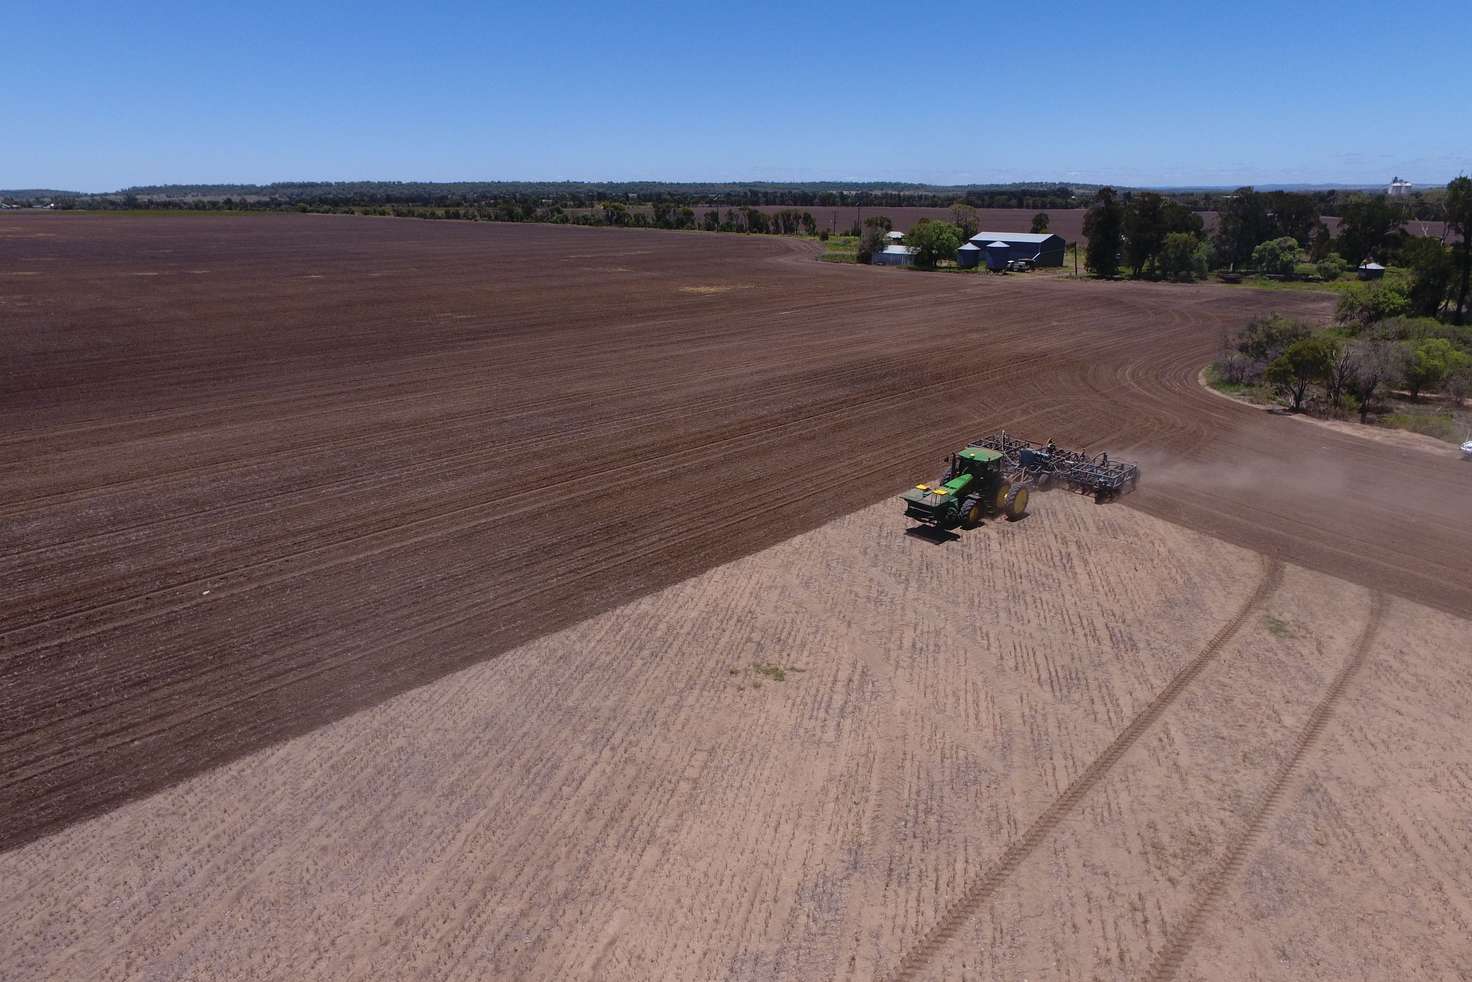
(96, 96)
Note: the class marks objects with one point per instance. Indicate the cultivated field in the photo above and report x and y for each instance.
(265, 472)
(1089, 745)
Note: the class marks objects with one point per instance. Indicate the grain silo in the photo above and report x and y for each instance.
(997, 254)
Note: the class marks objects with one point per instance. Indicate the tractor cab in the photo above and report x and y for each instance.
(983, 465)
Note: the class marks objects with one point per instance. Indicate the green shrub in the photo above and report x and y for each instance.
(1331, 267)
(1359, 310)
(1265, 338)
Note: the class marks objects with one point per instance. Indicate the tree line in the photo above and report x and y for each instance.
(1280, 233)
(574, 195)
(1353, 367)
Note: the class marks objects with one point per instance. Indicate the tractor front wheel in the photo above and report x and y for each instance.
(972, 513)
(1016, 504)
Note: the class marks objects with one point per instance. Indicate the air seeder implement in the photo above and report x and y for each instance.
(995, 476)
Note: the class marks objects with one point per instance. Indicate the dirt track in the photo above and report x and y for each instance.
(264, 471)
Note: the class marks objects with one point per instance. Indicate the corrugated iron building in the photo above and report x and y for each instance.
(1043, 248)
(895, 255)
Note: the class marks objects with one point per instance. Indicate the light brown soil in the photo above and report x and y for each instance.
(1061, 731)
(238, 506)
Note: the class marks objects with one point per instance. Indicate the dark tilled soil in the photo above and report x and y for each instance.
(260, 472)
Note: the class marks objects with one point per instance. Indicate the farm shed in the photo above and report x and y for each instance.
(895, 255)
(1044, 249)
(1371, 271)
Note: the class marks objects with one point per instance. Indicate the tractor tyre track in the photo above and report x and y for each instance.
(976, 893)
(1167, 964)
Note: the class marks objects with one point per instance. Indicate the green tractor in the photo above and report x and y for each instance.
(974, 487)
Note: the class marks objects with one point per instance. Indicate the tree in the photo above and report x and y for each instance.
(1375, 364)
(1459, 378)
(756, 221)
(1459, 218)
(1242, 222)
(1184, 256)
(1232, 366)
(1144, 228)
(1432, 270)
(1276, 255)
(1322, 245)
(1340, 370)
(1368, 226)
(1302, 364)
(965, 218)
(1429, 363)
(615, 213)
(933, 241)
(1293, 214)
(871, 240)
(1104, 228)
(1040, 223)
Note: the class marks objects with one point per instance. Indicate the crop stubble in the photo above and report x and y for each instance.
(308, 462)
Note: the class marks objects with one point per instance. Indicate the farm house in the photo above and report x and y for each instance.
(1044, 249)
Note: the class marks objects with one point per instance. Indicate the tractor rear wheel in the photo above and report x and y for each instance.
(972, 513)
(1004, 488)
(1016, 504)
